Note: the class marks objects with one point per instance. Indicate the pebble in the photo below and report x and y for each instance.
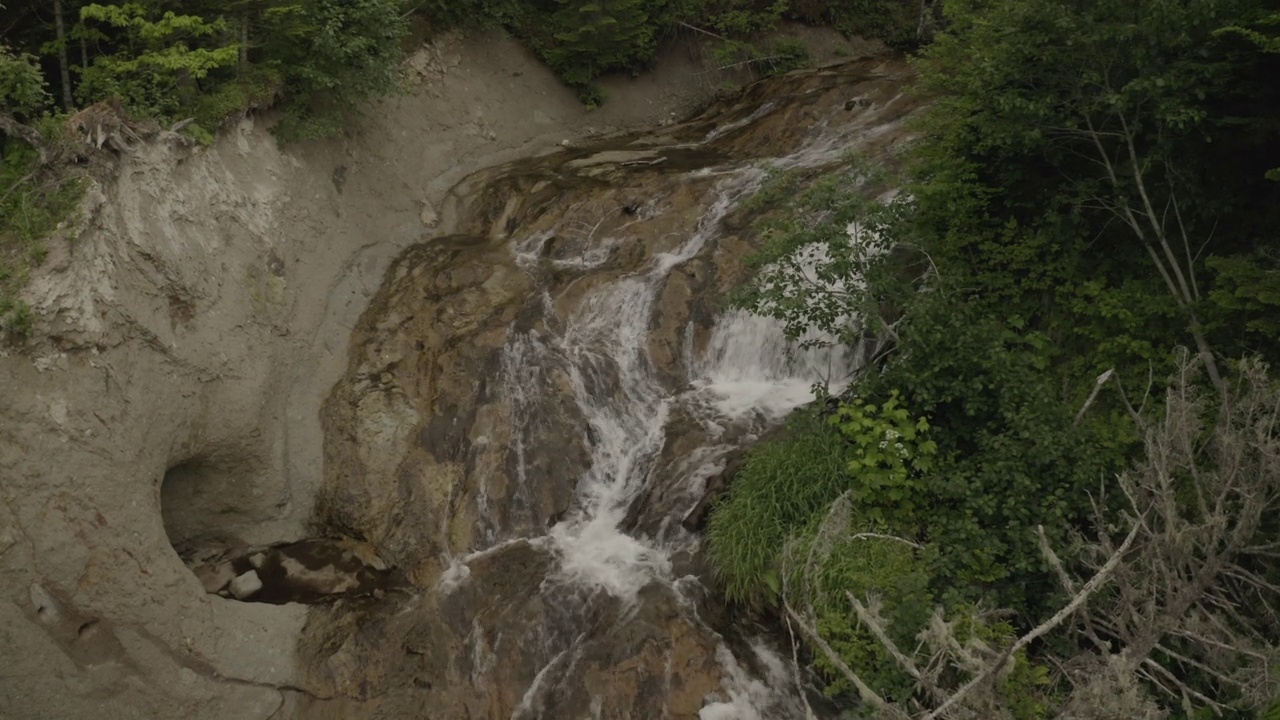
(243, 586)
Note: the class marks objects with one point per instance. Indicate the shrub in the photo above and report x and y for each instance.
(782, 485)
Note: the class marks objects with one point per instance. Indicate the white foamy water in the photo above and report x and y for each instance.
(750, 697)
(751, 367)
(748, 377)
(605, 344)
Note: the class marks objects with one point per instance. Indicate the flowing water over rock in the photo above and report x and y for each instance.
(536, 403)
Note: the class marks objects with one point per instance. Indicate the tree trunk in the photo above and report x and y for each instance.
(10, 126)
(63, 67)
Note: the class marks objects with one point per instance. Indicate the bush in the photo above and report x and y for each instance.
(856, 556)
(780, 488)
(590, 37)
(333, 59)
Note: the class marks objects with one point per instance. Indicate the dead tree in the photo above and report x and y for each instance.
(1196, 597)
(1173, 600)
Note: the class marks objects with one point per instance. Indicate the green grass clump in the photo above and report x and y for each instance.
(31, 207)
(780, 487)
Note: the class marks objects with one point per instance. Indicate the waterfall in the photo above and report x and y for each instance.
(604, 345)
(750, 373)
(611, 388)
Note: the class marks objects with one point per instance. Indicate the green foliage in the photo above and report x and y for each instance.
(441, 14)
(1024, 687)
(819, 240)
(1124, 326)
(894, 21)
(783, 484)
(734, 19)
(255, 86)
(891, 453)
(29, 211)
(159, 60)
(1011, 182)
(22, 87)
(582, 39)
(778, 57)
(591, 96)
(1248, 286)
(1009, 438)
(334, 57)
(859, 562)
(590, 37)
(208, 62)
(786, 55)
(1065, 143)
(1262, 32)
(15, 317)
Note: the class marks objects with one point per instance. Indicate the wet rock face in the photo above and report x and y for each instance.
(402, 427)
(458, 437)
(188, 332)
(481, 651)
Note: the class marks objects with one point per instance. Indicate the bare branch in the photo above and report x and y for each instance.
(10, 125)
(876, 626)
(1097, 385)
(869, 696)
(1090, 587)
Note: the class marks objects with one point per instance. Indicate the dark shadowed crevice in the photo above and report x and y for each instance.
(207, 504)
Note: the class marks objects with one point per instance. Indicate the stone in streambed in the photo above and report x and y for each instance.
(245, 585)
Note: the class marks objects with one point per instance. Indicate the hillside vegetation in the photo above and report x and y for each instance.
(1057, 492)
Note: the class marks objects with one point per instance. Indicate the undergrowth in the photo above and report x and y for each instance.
(781, 485)
(32, 205)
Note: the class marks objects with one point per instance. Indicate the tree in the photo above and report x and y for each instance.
(334, 56)
(824, 256)
(156, 58)
(22, 95)
(593, 36)
(1110, 138)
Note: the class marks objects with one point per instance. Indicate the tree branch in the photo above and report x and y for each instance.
(10, 126)
(869, 696)
(1090, 587)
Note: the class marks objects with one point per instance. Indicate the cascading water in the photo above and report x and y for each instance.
(749, 374)
(605, 382)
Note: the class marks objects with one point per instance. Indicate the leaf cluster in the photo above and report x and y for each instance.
(22, 87)
(819, 239)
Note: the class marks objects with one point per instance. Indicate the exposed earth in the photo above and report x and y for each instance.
(161, 445)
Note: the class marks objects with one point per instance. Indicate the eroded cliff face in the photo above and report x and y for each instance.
(531, 409)
(190, 327)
